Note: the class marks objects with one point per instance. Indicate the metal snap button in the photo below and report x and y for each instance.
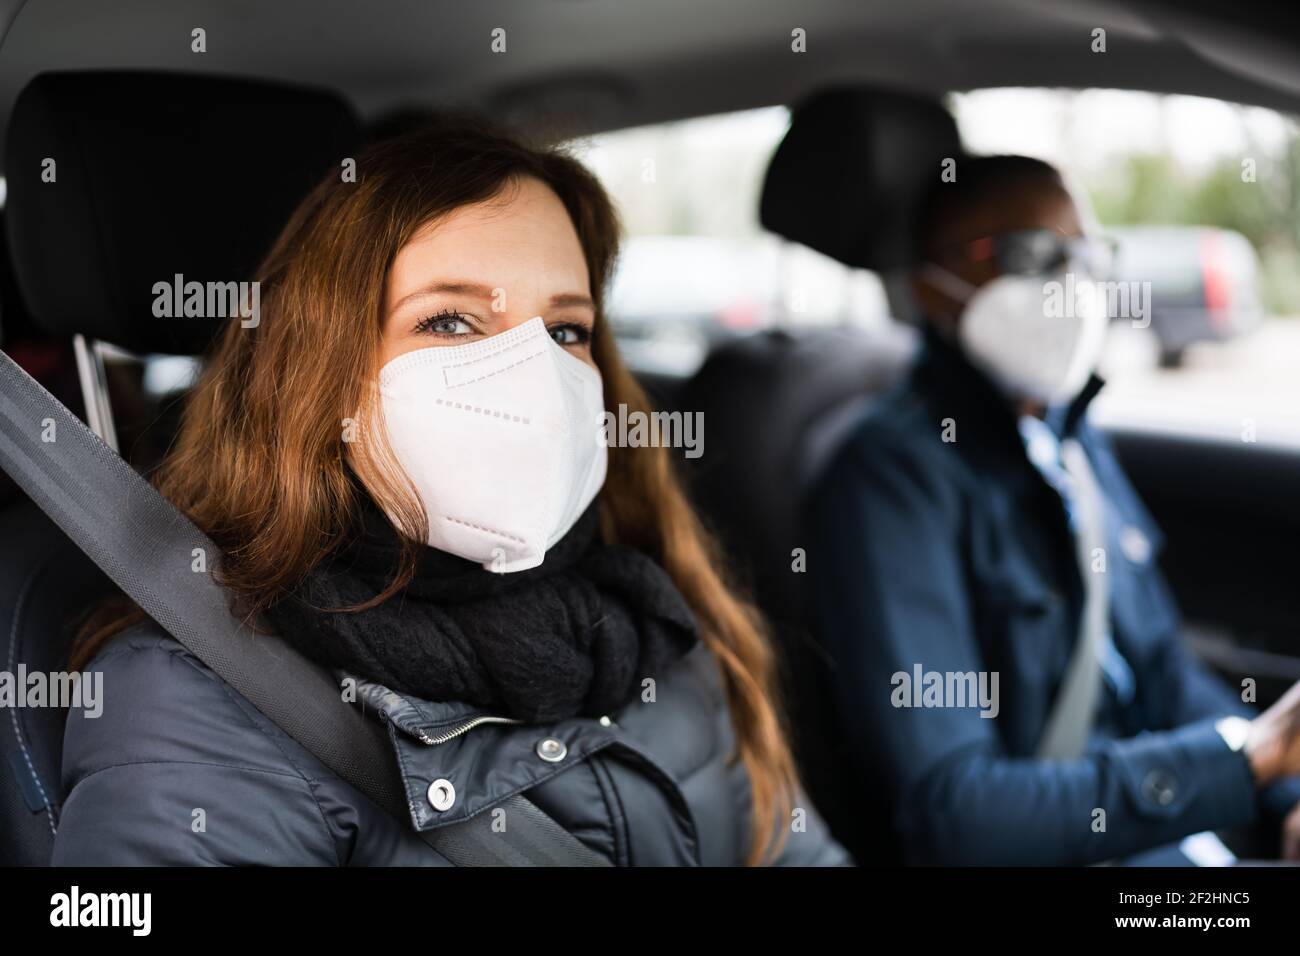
(552, 750)
(1135, 545)
(606, 722)
(1160, 787)
(441, 795)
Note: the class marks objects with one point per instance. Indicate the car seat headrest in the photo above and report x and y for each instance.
(846, 178)
(118, 181)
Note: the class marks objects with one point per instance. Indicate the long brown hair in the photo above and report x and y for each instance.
(259, 460)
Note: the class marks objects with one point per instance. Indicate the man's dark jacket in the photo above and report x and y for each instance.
(957, 556)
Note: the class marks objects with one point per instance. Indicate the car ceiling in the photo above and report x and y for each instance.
(601, 64)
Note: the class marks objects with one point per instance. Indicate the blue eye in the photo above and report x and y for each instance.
(446, 322)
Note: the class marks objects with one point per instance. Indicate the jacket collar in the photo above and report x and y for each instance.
(485, 758)
(966, 393)
(419, 719)
(488, 759)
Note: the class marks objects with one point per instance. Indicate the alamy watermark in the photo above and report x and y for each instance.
(639, 429)
(1122, 299)
(62, 689)
(74, 908)
(208, 300)
(960, 689)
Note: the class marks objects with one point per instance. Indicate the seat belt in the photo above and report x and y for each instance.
(149, 549)
(1075, 708)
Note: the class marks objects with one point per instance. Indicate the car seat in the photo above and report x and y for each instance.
(155, 175)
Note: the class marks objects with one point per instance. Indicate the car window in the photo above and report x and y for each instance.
(697, 268)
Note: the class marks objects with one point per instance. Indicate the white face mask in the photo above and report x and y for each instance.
(1034, 344)
(500, 439)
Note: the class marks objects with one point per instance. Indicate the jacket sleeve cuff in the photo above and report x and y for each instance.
(1188, 778)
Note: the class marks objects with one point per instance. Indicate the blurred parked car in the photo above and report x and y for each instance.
(1204, 283)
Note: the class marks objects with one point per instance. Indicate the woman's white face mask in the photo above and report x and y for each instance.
(1034, 342)
(501, 438)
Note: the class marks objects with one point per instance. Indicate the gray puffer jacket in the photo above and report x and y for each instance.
(179, 769)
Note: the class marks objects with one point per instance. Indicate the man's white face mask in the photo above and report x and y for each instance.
(501, 439)
(1033, 342)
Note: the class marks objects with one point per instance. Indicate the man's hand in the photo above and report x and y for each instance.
(1273, 747)
(1291, 835)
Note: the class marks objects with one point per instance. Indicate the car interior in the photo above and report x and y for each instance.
(189, 163)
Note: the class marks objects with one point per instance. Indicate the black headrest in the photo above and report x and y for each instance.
(15, 321)
(846, 178)
(155, 175)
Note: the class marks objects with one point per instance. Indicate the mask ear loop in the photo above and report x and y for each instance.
(951, 285)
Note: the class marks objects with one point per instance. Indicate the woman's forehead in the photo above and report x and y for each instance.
(521, 237)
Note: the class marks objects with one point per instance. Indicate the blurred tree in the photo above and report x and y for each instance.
(1154, 188)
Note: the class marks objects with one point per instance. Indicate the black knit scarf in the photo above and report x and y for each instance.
(574, 636)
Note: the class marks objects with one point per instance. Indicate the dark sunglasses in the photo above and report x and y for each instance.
(1040, 252)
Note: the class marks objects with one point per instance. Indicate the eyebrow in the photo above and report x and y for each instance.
(454, 287)
(567, 300)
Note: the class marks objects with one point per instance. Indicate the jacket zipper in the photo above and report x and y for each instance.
(461, 728)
